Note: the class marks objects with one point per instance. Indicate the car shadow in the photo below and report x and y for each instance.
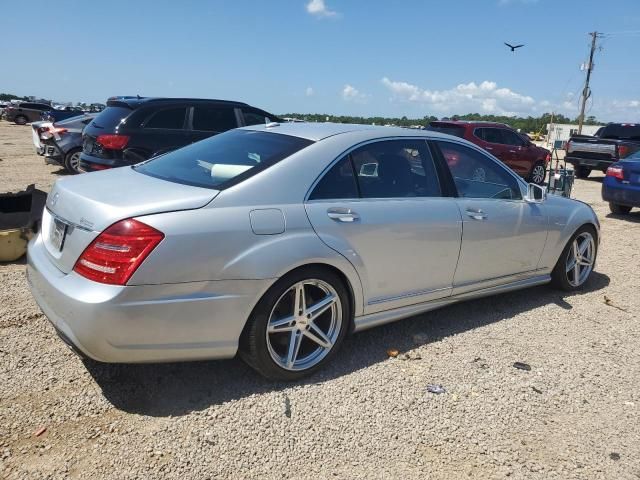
(61, 172)
(633, 217)
(176, 389)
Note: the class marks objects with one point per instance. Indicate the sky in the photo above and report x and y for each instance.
(342, 57)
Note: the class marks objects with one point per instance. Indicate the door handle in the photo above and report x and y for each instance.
(488, 148)
(512, 151)
(476, 214)
(342, 214)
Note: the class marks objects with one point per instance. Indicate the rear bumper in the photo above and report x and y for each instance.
(90, 163)
(144, 323)
(589, 163)
(616, 192)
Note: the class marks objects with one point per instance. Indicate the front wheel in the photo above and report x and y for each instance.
(577, 260)
(582, 172)
(619, 209)
(538, 173)
(298, 325)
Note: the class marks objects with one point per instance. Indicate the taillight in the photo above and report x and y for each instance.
(615, 172)
(567, 145)
(114, 142)
(623, 151)
(118, 252)
(547, 159)
(51, 131)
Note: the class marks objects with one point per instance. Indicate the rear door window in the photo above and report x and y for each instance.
(168, 119)
(110, 117)
(214, 118)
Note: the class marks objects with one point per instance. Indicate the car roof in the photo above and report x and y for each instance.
(316, 131)
(469, 123)
(135, 102)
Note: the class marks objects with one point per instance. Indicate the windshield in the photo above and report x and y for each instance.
(223, 160)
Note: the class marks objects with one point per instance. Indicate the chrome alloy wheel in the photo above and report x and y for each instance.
(538, 174)
(580, 259)
(304, 325)
(74, 161)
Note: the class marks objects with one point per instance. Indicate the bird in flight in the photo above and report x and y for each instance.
(513, 47)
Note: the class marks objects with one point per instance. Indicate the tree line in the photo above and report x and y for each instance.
(525, 124)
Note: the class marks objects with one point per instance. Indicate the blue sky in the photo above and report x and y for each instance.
(373, 57)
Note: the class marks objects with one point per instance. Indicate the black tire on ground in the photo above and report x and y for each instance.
(253, 343)
(538, 174)
(582, 172)
(619, 209)
(559, 278)
(21, 120)
(72, 158)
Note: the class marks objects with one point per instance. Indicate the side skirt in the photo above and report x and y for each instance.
(380, 318)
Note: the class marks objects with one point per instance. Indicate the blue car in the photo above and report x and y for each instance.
(621, 186)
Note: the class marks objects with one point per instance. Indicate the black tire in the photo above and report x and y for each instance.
(582, 172)
(619, 209)
(538, 173)
(21, 120)
(72, 158)
(559, 277)
(253, 342)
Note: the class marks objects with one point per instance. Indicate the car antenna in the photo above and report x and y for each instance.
(138, 96)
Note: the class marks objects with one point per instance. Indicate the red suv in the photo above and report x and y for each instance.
(504, 143)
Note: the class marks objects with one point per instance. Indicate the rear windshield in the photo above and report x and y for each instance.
(110, 117)
(448, 129)
(223, 160)
(622, 130)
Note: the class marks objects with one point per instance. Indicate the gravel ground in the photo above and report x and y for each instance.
(575, 414)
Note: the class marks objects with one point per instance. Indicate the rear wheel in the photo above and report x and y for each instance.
(538, 173)
(619, 209)
(298, 325)
(577, 260)
(21, 120)
(72, 161)
(582, 172)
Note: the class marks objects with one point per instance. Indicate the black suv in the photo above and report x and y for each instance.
(131, 130)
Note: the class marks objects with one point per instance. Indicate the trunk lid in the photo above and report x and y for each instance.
(79, 208)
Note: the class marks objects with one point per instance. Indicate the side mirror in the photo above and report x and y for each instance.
(535, 193)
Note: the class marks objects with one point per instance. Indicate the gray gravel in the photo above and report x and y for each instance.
(575, 414)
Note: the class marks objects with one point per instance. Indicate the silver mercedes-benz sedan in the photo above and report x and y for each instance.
(276, 241)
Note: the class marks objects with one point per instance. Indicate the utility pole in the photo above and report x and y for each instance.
(586, 93)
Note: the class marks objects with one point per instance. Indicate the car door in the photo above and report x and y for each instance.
(382, 207)
(209, 120)
(518, 155)
(503, 236)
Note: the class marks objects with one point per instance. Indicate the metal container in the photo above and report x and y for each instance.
(20, 215)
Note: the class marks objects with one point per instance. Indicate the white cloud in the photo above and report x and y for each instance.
(318, 9)
(309, 92)
(352, 94)
(485, 97)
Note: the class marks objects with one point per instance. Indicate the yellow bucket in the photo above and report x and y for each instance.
(13, 244)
